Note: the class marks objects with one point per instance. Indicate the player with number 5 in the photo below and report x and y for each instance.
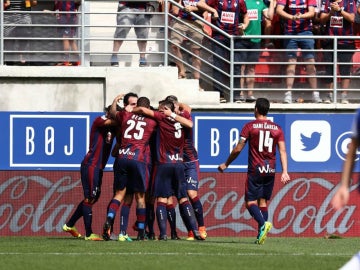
(263, 137)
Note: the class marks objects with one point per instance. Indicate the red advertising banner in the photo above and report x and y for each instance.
(40, 202)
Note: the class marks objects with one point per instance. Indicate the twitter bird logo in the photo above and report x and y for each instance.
(310, 143)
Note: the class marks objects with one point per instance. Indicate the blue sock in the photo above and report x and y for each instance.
(171, 217)
(161, 217)
(113, 208)
(198, 210)
(255, 212)
(150, 217)
(76, 215)
(187, 213)
(124, 218)
(87, 215)
(264, 212)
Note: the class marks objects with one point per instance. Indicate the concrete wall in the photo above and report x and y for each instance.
(79, 89)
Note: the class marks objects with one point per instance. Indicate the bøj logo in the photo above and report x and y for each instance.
(310, 141)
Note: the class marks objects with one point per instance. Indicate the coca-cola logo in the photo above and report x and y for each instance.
(36, 204)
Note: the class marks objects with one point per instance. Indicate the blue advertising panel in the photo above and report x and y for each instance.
(44, 141)
(315, 142)
(59, 141)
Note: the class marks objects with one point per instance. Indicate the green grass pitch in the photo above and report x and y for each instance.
(66, 253)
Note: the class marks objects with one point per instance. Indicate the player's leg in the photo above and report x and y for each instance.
(171, 217)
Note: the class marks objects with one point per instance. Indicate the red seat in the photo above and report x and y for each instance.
(356, 63)
(263, 69)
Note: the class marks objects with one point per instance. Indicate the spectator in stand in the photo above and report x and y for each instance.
(232, 17)
(256, 11)
(102, 134)
(339, 16)
(297, 21)
(17, 25)
(132, 14)
(357, 25)
(263, 137)
(191, 28)
(268, 27)
(67, 18)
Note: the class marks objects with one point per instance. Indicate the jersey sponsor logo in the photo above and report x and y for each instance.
(266, 169)
(126, 152)
(191, 181)
(175, 157)
(227, 17)
(253, 14)
(310, 141)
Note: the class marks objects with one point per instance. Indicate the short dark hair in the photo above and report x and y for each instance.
(172, 98)
(107, 109)
(143, 102)
(127, 96)
(262, 105)
(168, 104)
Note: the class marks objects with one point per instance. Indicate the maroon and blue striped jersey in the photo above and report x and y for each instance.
(293, 7)
(134, 4)
(185, 15)
(262, 137)
(170, 139)
(66, 5)
(230, 14)
(337, 25)
(190, 152)
(101, 139)
(136, 131)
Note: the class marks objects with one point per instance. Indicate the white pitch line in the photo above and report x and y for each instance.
(174, 254)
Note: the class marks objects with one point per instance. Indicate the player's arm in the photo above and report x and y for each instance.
(233, 155)
(144, 111)
(113, 107)
(342, 195)
(284, 164)
(349, 163)
(184, 107)
(182, 120)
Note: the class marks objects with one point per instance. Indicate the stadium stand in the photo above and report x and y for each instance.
(95, 38)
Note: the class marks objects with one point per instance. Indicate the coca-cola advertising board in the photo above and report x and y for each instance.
(39, 203)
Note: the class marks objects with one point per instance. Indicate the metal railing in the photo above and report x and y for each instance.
(95, 36)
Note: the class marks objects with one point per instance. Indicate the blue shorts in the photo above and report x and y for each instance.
(344, 56)
(292, 45)
(132, 174)
(192, 175)
(66, 30)
(251, 51)
(91, 180)
(257, 187)
(169, 180)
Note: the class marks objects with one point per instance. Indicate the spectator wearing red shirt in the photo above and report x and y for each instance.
(233, 19)
(339, 16)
